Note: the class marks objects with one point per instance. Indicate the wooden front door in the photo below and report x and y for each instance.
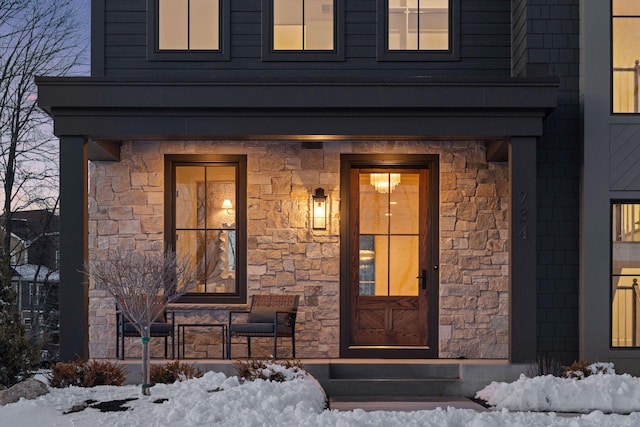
(390, 262)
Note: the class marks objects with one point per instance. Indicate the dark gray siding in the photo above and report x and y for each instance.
(552, 42)
(485, 40)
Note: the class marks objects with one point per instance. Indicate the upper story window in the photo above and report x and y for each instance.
(206, 222)
(625, 24)
(625, 275)
(188, 24)
(417, 30)
(296, 30)
(188, 30)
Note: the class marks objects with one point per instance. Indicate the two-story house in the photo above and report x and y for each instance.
(444, 135)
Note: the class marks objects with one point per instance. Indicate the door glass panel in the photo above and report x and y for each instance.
(403, 265)
(389, 227)
(404, 205)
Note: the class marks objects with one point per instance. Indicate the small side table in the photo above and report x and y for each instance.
(223, 334)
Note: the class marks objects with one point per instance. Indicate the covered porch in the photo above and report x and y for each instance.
(116, 123)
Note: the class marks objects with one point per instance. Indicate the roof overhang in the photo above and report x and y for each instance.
(309, 109)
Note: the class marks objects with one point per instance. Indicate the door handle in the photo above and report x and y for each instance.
(423, 279)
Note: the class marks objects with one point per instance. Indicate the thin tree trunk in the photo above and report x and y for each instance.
(146, 373)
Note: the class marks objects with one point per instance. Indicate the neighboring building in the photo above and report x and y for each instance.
(445, 134)
(34, 261)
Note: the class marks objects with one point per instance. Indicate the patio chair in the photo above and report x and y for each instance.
(161, 327)
(268, 316)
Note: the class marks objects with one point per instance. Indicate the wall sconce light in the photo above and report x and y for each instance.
(319, 218)
(226, 204)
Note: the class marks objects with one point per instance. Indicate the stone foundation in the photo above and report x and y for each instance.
(126, 210)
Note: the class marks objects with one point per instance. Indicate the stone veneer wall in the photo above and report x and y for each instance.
(126, 210)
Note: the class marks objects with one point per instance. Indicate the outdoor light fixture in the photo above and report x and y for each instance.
(319, 218)
(384, 182)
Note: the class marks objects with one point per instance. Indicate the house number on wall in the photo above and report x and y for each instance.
(524, 215)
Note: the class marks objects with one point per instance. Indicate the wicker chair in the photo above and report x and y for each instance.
(268, 316)
(161, 327)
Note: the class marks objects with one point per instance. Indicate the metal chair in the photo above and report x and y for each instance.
(268, 316)
(161, 327)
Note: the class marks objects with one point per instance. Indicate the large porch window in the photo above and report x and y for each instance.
(625, 24)
(206, 198)
(625, 275)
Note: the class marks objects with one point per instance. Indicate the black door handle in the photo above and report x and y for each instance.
(423, 279)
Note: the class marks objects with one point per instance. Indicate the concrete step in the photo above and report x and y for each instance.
(344, 371)
(402, 403)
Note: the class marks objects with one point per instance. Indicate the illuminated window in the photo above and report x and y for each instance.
(207, 223)
(188, 24)
(625, 272)
(418, 30)
(626, 55)
(303, 24)
(418, 24)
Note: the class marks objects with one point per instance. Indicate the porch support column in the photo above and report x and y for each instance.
(522, 271)
(74, 293)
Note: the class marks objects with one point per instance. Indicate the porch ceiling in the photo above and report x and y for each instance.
(107, 109)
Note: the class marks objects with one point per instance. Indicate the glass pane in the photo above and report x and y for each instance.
(402, 25)
(374, 205)
(626, 7)
(220, 261)
(626, 258)
(434, 26)
(367, 266)
(404, 205)
(190, 245)
(221, 197)
(204, 25)
(318, 19)
(626, 222)
(403, 265)
(381, 265)
(173, 24)
(625, 55)
(625, 319)
(287, 24)
(190, 200)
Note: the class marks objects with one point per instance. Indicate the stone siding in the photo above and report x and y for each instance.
(126, 209)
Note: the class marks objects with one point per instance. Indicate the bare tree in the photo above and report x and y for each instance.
(143, 284)
(36, 38)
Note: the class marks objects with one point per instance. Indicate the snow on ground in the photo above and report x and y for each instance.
(218, 400)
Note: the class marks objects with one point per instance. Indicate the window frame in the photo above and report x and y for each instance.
(270, 54)
(155, 54)
(171, 161)
(451, 54)
(612, 68)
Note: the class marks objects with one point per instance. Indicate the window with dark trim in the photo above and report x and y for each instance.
(188, 30)
(205, 221)
(418, 30)
(625, 274)
(625, 25)
(302, 30)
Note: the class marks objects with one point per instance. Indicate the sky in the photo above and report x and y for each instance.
(218, 400)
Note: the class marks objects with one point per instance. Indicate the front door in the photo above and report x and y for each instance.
(392, 286)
